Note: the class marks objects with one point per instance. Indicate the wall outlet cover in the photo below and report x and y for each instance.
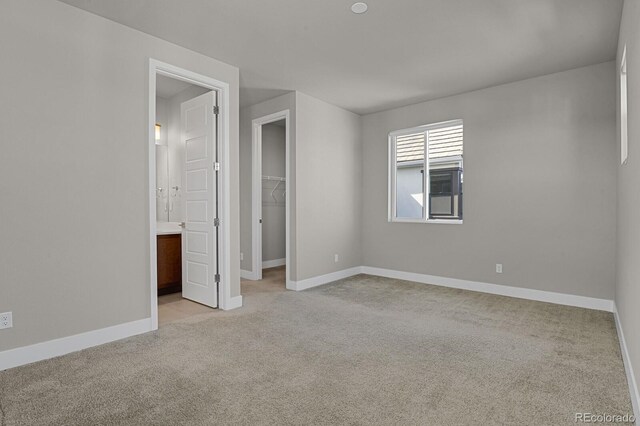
(6, 320)
(499, 268)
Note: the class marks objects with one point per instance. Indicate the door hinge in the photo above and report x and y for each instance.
(216, 110)
(216, 221)
(217, 278)
(216, 166)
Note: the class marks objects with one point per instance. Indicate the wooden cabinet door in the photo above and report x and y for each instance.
(169, 264)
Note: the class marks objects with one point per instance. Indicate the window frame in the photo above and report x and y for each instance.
(392, 174)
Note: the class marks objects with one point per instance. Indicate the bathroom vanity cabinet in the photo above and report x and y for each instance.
(169, 263)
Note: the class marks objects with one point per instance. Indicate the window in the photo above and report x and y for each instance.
(426, 157)
(623, 108)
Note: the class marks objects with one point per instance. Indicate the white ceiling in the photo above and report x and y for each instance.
(167, 87)
(400, 52)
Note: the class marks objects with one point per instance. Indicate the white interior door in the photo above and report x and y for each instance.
(199, 256)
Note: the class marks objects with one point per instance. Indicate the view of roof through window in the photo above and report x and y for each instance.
(444, 142)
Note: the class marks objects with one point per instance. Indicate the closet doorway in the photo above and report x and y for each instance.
(270, 189)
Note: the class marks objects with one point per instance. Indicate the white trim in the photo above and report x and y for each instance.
(224, 185)
(445, 221)
(153, 218)
(234, 303)
(426, 127)
(439, 221)
(324, 279)
(624, 108)
(53, 348)
(256, 191)
(224, 191)
(503, 290)
(628, 368)
(256, 200)
(273, 263)
(247, 275)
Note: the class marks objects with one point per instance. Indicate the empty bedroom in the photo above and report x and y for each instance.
(301, 212)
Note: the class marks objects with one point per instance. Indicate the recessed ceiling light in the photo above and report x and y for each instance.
(359, 7)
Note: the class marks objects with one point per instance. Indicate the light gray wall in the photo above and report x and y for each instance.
(328, 187)
(176, 148)
(273, 210)
(539, 186)
(325, 184)
(628, 250)
(74, 169)
(247, 115)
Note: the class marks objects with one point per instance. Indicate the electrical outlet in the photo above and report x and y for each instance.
(336, 258)
(241, 256)
(499, 268)
(6, 320)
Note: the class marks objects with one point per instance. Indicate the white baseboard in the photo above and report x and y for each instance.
(323, 279)
(247, 275)
(273, 263)
(53, 348)
(234, 303)
(503, 290)
(628, 368)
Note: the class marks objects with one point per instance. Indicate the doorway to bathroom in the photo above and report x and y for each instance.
(188, 151)
(270, 200)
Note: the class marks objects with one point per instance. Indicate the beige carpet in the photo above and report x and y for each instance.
(361, 351)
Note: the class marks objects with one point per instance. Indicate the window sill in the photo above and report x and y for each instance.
(435, 221)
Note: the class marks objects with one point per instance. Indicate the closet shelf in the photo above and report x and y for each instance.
(274, 178)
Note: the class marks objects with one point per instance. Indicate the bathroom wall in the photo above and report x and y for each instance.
(273, 209)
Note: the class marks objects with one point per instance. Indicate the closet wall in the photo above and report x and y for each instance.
(273, 194)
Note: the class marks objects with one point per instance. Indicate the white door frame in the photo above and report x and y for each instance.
(256, 191)
(224, 192)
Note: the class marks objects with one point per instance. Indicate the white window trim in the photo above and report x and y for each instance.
(392, 171)
(624, 125)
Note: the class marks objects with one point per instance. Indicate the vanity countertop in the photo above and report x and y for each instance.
(168, 228)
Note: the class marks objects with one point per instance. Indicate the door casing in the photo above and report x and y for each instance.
(256, 191)
(224, 193)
